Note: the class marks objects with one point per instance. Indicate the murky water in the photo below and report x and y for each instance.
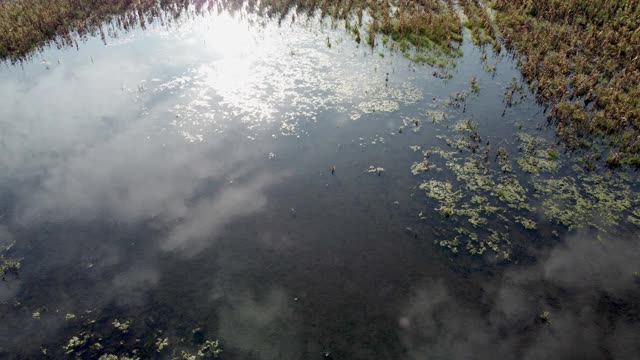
(179, 181)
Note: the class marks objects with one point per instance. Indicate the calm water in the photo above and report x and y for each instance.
(180, 180)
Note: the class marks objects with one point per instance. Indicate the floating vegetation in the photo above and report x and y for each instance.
(8, 266)
(96, 341)
(415, 148)
(536, 154)
(76, 342)
(487, 202)
(597, 201)
(437, 116)
(161, 344)
(378, 105)
(420, 167)
(475, 85)
(122, 326)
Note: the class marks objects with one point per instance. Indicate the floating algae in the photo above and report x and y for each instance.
(536, 155)
(527, 223)
(437, 116)
(8, 266)
(509, 191)
(420, 167)
(161, 344)
(76, 342)
(595, 201)
(378, 105)
(466, 125)
(122, 326)
(634, 217)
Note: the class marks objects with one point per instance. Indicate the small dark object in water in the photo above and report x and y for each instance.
(333, 169)
(327, 356)
(400, 131)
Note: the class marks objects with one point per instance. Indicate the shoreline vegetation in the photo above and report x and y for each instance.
(581, 58)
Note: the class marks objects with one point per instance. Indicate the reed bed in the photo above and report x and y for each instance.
(583, 57)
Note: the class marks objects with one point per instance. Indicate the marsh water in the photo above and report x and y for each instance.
(233, 178)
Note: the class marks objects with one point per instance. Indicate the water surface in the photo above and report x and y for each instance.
(180, 179)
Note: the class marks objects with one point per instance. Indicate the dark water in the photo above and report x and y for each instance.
(180, 180)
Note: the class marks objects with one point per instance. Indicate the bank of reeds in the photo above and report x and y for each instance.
(584, 60)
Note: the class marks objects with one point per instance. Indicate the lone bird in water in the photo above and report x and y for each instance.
(333, 169)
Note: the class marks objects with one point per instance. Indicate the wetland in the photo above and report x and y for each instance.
(319, 180)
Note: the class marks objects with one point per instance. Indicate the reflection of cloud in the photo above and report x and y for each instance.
(586, 263)
(586, 285)
(131, 285)
(264, 327)
(154, 182)
(203, 221)
(62, 110)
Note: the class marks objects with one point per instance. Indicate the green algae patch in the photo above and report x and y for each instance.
(595, 201)
(8, 266)
(76, 342)
(372, 106)
(634, 217)
(466, 125)
(437, 116)
(536, 155)
(161, 344)
(527, 223)
(512, 193)
(121, 325)
(420, 167)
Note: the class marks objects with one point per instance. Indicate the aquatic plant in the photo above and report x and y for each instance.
(8, 266)
(122, 326)
(76, 342)
(484, 203)
(593, 201)
(583, 59)
(475, 85)
(536, 156)
(161, 344)
(210, 348)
